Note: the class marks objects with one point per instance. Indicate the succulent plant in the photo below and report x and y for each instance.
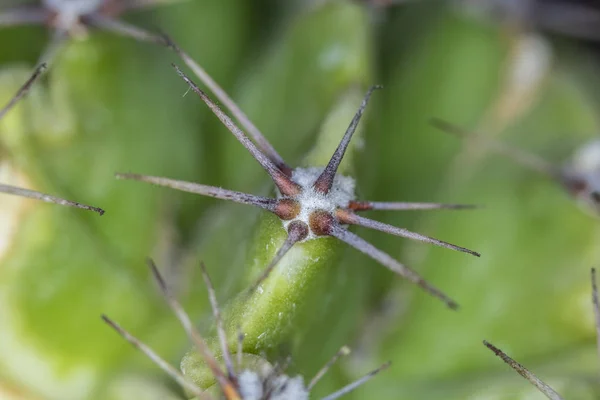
(255, 379)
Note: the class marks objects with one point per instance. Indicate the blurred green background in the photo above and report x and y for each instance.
(110, 104)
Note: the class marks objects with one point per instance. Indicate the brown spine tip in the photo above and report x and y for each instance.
(321, 222)
(287, 209)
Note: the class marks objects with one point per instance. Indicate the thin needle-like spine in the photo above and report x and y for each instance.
(261, 141)
(297, 231)
(59, 38)
(324, 182)
(162, 364)
(343, 351)
(193, 334)
(23, 90)
(351, 218)
(240, 344)
(285, 185)
(32, 194)
(406, 206)
(347, 389)
(525, 373)
(389, 262)
(525, 159)
(142, 4)
(219, 321)
(204, 190)
(287, 245)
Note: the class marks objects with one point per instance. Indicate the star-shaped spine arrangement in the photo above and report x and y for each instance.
(32, 194)
(264, 382)
(311, 202)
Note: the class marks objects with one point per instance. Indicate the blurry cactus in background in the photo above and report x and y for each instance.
(299, 70)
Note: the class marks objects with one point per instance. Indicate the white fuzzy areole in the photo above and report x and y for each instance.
(281, 387)
(341, 193)
(69, 11)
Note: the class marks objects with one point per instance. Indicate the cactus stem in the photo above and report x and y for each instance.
(246, 384)
(324, 182)
(165, 366)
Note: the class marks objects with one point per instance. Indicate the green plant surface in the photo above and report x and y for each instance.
(530, 292)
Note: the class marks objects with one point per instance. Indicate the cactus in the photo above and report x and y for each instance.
(254, 379)
(62, 139)
(298, 70)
